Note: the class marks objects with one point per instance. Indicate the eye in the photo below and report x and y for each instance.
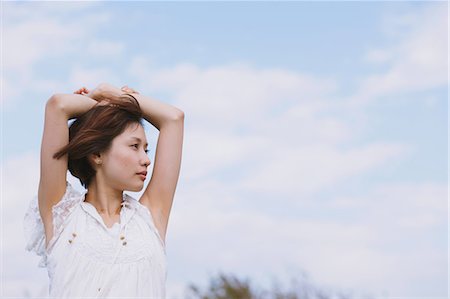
(137, 146)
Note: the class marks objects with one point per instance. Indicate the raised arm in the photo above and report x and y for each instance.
(159, 194)
(53, 172)
(169, 120)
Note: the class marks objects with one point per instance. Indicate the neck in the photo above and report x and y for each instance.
(105, 199)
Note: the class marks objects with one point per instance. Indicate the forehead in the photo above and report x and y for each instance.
(133, 132)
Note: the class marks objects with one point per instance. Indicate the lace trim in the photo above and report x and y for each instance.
(34, 231)
(62, 210)
(34, 227)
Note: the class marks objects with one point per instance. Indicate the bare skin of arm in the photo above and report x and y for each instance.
(169, 120)
(53, 173)
(159, 194)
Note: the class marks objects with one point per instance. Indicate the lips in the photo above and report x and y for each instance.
(142, 174)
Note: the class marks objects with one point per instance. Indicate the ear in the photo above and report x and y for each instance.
(95, 159)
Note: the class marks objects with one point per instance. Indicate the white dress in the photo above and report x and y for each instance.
(85, 258)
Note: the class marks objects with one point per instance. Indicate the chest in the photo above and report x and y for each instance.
(128, 240)
(110, 221)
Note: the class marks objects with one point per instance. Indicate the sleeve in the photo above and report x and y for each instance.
(34, 227)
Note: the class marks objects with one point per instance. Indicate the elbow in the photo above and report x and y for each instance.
(54, 102)
(179, 115)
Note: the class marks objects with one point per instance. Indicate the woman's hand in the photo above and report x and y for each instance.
(83, 91)
(127, 89)
(105, 92)
(96, 94)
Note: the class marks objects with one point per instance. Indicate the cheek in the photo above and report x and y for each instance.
(121, 161)
(125, 163)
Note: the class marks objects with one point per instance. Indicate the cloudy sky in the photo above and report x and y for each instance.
(315, 133)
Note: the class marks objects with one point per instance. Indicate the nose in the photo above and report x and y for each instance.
(146, 160)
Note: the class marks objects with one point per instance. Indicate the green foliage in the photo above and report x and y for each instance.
(230, 287)
(224, 287)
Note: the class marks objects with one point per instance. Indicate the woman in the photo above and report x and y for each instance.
(102, 242)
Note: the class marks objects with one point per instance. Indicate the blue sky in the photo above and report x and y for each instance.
(315, 137)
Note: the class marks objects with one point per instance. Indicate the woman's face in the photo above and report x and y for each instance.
(125, 159)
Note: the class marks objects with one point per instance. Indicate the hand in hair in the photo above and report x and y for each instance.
(127, 89)
(106, 94)
(83, 91)
(105, 91)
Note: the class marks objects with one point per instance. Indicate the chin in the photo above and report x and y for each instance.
(136, 188)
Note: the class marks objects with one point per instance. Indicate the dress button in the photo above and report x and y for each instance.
(124, 243)
(70, 241)
(122, 237)
(99, 289)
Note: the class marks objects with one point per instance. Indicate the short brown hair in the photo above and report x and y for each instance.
(94, 131)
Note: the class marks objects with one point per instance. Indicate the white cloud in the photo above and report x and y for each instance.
(281, 133)
(256, 131)
(228, 96)
(308, 169)
(105, 48)
(36, 33)
(365, 246)
(90, 77)
(378, 56)
(417, 61)
(279, 128)
(211, 226)
(28, 42)
(19, 185)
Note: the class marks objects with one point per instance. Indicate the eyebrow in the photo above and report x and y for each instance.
(139, 140)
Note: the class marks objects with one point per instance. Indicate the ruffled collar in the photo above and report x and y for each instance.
(126, 212)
